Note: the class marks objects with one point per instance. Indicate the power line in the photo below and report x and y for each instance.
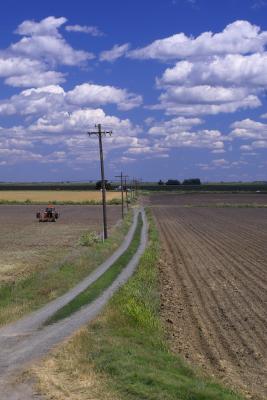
(101, 133)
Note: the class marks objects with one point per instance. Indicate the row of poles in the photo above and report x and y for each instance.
(123, 180)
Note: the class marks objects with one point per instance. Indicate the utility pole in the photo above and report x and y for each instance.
(122, 197)
(126, 191)
(101, 133)
(121, 176)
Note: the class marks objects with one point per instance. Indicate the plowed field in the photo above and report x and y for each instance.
(213, 283)
(27, 245)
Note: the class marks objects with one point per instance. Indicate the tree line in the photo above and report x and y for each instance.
(194, 181)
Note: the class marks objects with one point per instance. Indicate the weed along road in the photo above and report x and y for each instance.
(27, 339)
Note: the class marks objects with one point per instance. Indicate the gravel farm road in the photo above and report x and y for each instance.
(27, 340)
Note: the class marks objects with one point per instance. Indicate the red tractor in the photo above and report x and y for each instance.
(49, 214)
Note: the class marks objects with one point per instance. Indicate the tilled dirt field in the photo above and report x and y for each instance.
(201, 199)
(27, 245)
(213, 282)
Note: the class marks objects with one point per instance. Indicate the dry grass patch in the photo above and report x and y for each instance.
(68, 375)
(55, 195)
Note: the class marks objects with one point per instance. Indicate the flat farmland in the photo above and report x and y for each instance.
(205, 199)
(27, 245)
(214, 289)
(55, 195)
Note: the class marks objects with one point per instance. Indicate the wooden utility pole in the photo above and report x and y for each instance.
(126, 192)
(122, 177)
(122, 194)
(101, 133)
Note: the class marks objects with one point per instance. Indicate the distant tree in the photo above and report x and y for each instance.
(98, 185)
(195, 181)
(160, 182)
(173, 182)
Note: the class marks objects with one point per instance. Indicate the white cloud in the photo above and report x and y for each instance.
(35, 101)
(231, 69)
(47, 26)
(240, 37)
(203, 94)
(175, 108)
(116, 52)
(31, 62)
(224, 80)
(42, 40)
(91, 94)
(248, 129)
(174, 125)
(53, 98)
(36, 79)
(91, 30)
(209, 139)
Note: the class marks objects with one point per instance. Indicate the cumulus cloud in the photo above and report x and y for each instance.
(232, 69)
(35, 101)
(66, 134)
(181, 132)
(249, 129)
(42, 40)
(53, 98)
(173, 107)
(210, 139)
(31, 61)
(174, 125)
(116, 52)
(91, 30)
(213, 73)
(240, 37)
(87, 94)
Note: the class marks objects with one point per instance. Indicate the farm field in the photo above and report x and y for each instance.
(27, 245)
(213, 287)
(55, 195)
(205, 199)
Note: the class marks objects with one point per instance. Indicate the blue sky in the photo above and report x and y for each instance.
(182, 84)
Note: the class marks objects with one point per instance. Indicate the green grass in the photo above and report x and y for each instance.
(58, 202)
(127, 345)
(103, 282)
(30, 293)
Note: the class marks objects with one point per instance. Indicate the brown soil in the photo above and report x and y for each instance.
(201, 199)
(213, 290)
(27, 245)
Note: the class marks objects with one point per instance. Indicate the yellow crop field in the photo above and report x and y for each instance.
(55, 195)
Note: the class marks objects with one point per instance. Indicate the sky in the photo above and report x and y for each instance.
(181, 84)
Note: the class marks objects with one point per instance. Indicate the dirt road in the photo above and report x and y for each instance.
(213, 286)
(26, 340)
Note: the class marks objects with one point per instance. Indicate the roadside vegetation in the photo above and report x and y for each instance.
(103, 282)
(123, 354)
(22, 296)
(114, 202)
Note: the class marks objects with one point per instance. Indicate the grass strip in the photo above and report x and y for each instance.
(128, 344)
(60, 202)
(103, 282)
(123, 354)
